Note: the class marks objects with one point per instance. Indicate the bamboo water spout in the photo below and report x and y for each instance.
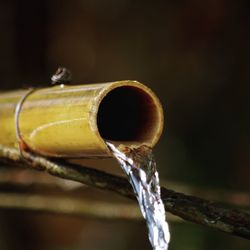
(75, 121)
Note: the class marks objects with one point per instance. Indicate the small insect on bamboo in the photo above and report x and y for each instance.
(62, 76)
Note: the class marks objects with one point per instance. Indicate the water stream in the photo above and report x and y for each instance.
(140, 167)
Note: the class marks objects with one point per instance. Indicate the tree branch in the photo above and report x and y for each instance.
(190, 208)
(21, 178)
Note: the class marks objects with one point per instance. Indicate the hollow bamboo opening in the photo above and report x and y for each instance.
(128, 113)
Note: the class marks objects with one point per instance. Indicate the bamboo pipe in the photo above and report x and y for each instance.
(75, 121)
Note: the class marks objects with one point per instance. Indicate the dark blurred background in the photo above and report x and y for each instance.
(193, 54)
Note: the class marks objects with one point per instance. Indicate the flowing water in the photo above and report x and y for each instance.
(139, 165)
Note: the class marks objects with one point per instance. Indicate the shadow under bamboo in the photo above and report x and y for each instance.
(75, 121)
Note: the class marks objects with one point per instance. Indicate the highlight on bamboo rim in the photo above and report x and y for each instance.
(75, 121)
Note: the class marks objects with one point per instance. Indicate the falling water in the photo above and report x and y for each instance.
(139, 165)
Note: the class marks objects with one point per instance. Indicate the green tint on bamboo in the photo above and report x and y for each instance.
(75, 121)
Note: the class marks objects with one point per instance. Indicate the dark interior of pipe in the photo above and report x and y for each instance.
(127, 114)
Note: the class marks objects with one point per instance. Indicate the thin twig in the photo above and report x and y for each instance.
(233, 198)
(27, 178)
(190, 208)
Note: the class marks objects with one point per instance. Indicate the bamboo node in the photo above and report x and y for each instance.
(22, 146)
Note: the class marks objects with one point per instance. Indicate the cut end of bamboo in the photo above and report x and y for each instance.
(130, 114)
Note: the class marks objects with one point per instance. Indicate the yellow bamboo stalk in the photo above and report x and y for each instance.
(75, 121)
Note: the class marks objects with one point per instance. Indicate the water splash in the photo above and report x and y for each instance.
(140, 167)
